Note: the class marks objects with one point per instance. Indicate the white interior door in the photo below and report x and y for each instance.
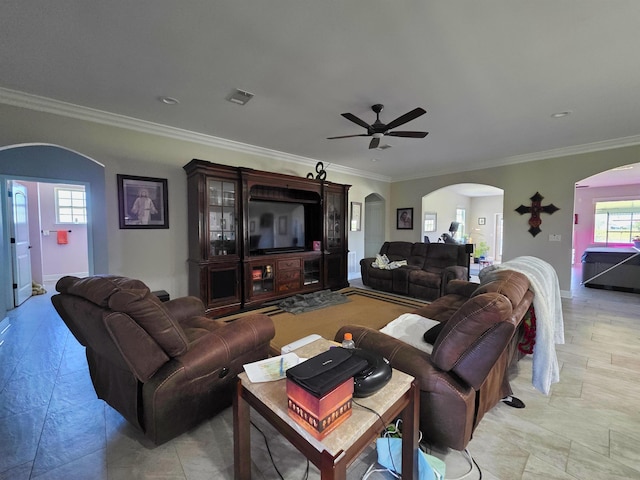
(20, 245)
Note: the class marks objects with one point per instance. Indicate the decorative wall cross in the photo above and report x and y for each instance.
(536, 209)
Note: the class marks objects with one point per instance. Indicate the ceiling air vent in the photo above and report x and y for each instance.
(240, 97)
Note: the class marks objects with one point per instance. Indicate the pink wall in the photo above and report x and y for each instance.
(60, 260)
(585, 208)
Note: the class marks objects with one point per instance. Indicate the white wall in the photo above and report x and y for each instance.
(487, 208)
(444, 203)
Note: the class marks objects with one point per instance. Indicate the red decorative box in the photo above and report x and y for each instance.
(320, 416)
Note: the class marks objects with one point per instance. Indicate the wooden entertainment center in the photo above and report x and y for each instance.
(257, 236)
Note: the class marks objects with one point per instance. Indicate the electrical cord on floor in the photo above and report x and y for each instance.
(266, 442)
(268, 449)
(426, 447)
(471, 462)
(384, 428)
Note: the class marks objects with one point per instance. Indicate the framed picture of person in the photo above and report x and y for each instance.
(143, 202)
(404, 219)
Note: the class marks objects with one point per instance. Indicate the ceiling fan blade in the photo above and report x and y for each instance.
(354, 119)
(349, 136)
(407, 117)
(408, 134)
(375, 141)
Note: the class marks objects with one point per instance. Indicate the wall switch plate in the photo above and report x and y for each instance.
(555, 238)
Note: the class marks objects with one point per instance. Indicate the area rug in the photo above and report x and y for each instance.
(308, 302)
(365, 307)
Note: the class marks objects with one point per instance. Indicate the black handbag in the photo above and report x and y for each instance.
(322, 373)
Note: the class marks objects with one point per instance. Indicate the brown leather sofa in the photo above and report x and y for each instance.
(164, 366)
(466, 373)
(430, 266)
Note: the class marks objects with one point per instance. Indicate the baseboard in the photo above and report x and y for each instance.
(53, 278)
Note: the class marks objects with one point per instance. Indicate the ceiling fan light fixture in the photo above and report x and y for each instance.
(169, 100)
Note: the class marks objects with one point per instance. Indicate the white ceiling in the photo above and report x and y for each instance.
(489, 73)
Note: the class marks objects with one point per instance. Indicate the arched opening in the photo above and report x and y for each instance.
(607, 218)
(476, 209)
(374, 224)
(45, 163)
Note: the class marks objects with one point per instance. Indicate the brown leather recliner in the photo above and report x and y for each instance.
(467, 372)
(164, 366)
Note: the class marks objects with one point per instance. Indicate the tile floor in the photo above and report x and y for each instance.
(53, 427)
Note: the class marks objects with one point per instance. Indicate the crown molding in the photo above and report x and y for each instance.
(543, 155)
(56, 107)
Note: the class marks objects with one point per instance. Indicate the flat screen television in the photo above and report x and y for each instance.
(279, 227)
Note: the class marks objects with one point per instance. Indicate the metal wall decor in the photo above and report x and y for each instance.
(321, 173)
(536, 209)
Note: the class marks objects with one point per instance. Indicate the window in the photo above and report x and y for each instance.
(71, 205)
(461, 216)
(616, 221)
(430, 222)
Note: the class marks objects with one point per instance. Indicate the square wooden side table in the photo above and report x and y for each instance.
(335, 452)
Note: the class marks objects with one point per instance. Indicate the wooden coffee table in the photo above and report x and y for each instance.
(335, 452)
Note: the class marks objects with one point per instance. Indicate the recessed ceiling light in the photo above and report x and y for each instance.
(240, 97)
(561, 114)
(374, 160)
(169, 100)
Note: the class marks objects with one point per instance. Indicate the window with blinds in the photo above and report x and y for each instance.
(616, 221)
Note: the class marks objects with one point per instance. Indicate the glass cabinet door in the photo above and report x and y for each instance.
(334, 220)
(223, 224)
(262, 278)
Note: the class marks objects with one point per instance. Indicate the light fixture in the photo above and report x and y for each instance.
(240, 97)
(561, 114)
(169, 100)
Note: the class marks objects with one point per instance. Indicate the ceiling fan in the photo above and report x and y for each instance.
(379, 129)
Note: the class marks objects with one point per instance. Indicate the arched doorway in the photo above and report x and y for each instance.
(374, 224)
(52, 163)
(605, 213)
(477, 208)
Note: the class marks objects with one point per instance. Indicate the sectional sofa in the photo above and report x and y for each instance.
(430, 266)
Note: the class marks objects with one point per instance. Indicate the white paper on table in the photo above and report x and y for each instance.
(271, 369)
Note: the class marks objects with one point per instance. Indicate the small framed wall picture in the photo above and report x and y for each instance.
(482, 220)
(143, 202)
(404, 219)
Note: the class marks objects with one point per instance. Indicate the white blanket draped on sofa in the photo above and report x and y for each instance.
(549, 322)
